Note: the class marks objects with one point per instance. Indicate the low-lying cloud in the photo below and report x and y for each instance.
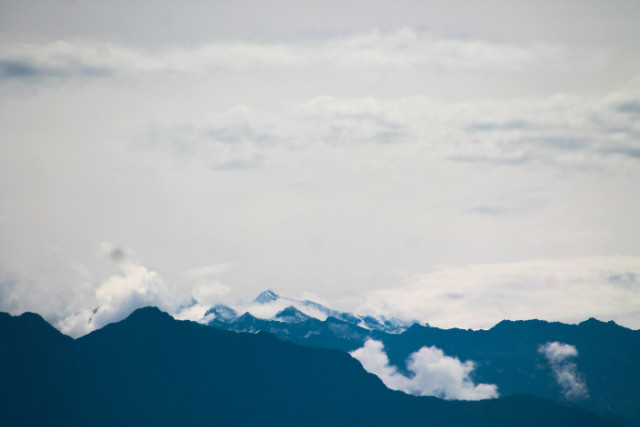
(133, 287)
(136, 286)
(433, 373)
(559, 356)
(581, 287)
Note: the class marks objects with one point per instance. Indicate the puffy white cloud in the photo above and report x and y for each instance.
(194, 312)
(135, 286)
(556, 352)
(564, 370)
(434, 373)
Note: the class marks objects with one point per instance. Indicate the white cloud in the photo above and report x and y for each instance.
(135, 286)
(434, 373)
(194, 312)
(203, 283)
(209, 292)
(565, 372)
(556, 352)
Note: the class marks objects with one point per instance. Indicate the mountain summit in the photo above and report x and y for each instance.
(266, 297)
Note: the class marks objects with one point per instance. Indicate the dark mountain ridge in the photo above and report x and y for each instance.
(153, 370)
(506, 355)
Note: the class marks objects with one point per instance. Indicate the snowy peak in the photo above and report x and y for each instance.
(392, 326)
(266, 297)
(291, 315)
(269, 306)
(221, 313)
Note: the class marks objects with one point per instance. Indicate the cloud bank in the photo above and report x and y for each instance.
(565, 371)
(374, 51)
(434, 373)
(582, 133)
(481, 295)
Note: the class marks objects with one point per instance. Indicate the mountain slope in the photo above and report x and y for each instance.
(151, 369)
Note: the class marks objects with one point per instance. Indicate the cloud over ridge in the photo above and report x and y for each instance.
(565, 371)
(135, 286)
(433, 373)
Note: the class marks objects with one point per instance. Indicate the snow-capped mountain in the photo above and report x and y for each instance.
(291, 315)
(273, 307)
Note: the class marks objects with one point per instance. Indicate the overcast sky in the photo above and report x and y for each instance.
(458, 162)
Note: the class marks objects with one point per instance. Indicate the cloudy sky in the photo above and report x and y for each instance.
(456, 162)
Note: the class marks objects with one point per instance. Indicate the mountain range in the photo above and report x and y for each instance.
(598, 370)
(151, 369)
(270, 306)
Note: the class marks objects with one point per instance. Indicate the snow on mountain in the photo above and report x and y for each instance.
(271, 306)
(220, 312)
(291, 315)
(268, 304)
(266, 297)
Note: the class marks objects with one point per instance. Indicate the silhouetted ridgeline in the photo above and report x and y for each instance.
(150, 369)
(507, 355)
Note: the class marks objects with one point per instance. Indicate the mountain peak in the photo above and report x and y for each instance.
(221, 312)
(291, 315)
(593, 322)
(148, 313)
(32, 318)
(266, 297)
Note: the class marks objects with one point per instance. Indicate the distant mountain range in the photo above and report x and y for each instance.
(150, 369)
(271, 306)
(595, 364)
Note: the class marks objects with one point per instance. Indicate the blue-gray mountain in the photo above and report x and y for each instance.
(294, 311)
(150, 369)
(507, 355)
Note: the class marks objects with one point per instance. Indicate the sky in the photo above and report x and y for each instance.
(456, 162)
